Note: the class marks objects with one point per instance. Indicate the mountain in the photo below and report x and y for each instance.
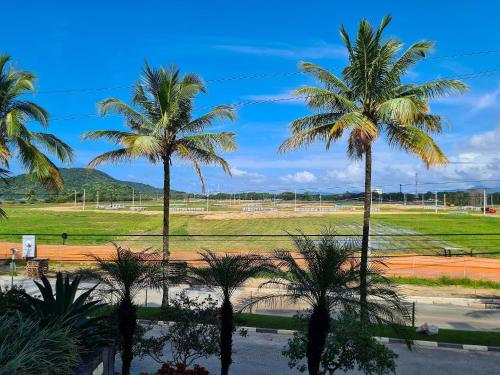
(77, 179)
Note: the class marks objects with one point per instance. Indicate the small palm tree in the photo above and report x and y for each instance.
(368, 101)
(126, 274)
(226, 273)
(325, 274)
(17, 138)
(162, 128)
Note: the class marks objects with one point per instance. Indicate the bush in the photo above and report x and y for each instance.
(63, 308)
(349, 344)
(194, 332)
(25, 348)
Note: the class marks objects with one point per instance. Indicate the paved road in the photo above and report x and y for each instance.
(260, 354)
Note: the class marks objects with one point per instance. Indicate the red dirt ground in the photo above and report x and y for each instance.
(407, 265)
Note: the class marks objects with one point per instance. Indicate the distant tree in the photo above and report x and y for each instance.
(368, 101)
(15, 136)
(162, 129)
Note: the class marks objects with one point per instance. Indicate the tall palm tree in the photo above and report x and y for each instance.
(15, 136)
(126, 274)
(368, 101)
(325, 274)
(226, 273)
(162, 128)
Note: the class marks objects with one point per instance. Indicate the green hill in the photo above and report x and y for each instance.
(77, 179)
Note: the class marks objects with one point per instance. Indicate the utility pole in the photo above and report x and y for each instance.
(75, 199)
(319, 200)
(133, 197)
(295, 205)
(404, 198)
(83, 206)
(485, 197)
(436, 202)
(140, 199)
(416, 185)
(444, 200)
(208, 194)
(97, 199)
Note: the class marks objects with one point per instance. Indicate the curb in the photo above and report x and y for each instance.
(385, 340)
(390, 340)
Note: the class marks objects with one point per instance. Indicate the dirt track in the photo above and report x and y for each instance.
(408, 265)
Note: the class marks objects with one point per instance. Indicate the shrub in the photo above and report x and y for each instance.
(348, 345)
(63, 308)
(25, 348)
(194, 331)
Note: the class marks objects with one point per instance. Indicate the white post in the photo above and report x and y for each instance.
(436, 202)
(75, 199)
(140, 199)
(319, 200)
(295, 204)
(444, 200)
(83, 206)
(404, 198)
(97, 199)
(133, 197)
(208, 194)
(484, 201)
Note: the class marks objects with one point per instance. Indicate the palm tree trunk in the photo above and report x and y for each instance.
(317, 332)
(127, 321)
(166, 227)
(366, 234)
(226, 335)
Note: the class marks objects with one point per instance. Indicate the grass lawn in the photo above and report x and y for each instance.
(281, 322)
(448, 281)
(38, 218)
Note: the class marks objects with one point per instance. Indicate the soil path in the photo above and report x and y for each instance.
(407, 265)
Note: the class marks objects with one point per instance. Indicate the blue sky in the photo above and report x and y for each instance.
(77, 45)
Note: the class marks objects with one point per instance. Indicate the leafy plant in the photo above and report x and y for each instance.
(193, 332)
(328, 280)
(62, 308)
(162, 129)
(126, 274)
(226, 273)
(27, 348)
(349, 344)
(369, 101)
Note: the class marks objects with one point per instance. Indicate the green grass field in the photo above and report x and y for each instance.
(44, 219)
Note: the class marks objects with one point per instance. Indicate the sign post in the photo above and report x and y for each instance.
(29, 246)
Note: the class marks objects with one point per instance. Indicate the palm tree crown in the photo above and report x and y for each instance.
(17, 138)
(161, 124)
(370, 99)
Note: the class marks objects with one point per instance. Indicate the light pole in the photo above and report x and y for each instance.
(13, 266)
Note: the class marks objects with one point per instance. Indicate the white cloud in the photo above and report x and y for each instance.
(352, 173)
(473, 101)
(252, 176)
(487, 141)
(320, 50)
(300, 177)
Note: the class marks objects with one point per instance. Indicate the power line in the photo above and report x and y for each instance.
(254, 76)
(265, 101)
